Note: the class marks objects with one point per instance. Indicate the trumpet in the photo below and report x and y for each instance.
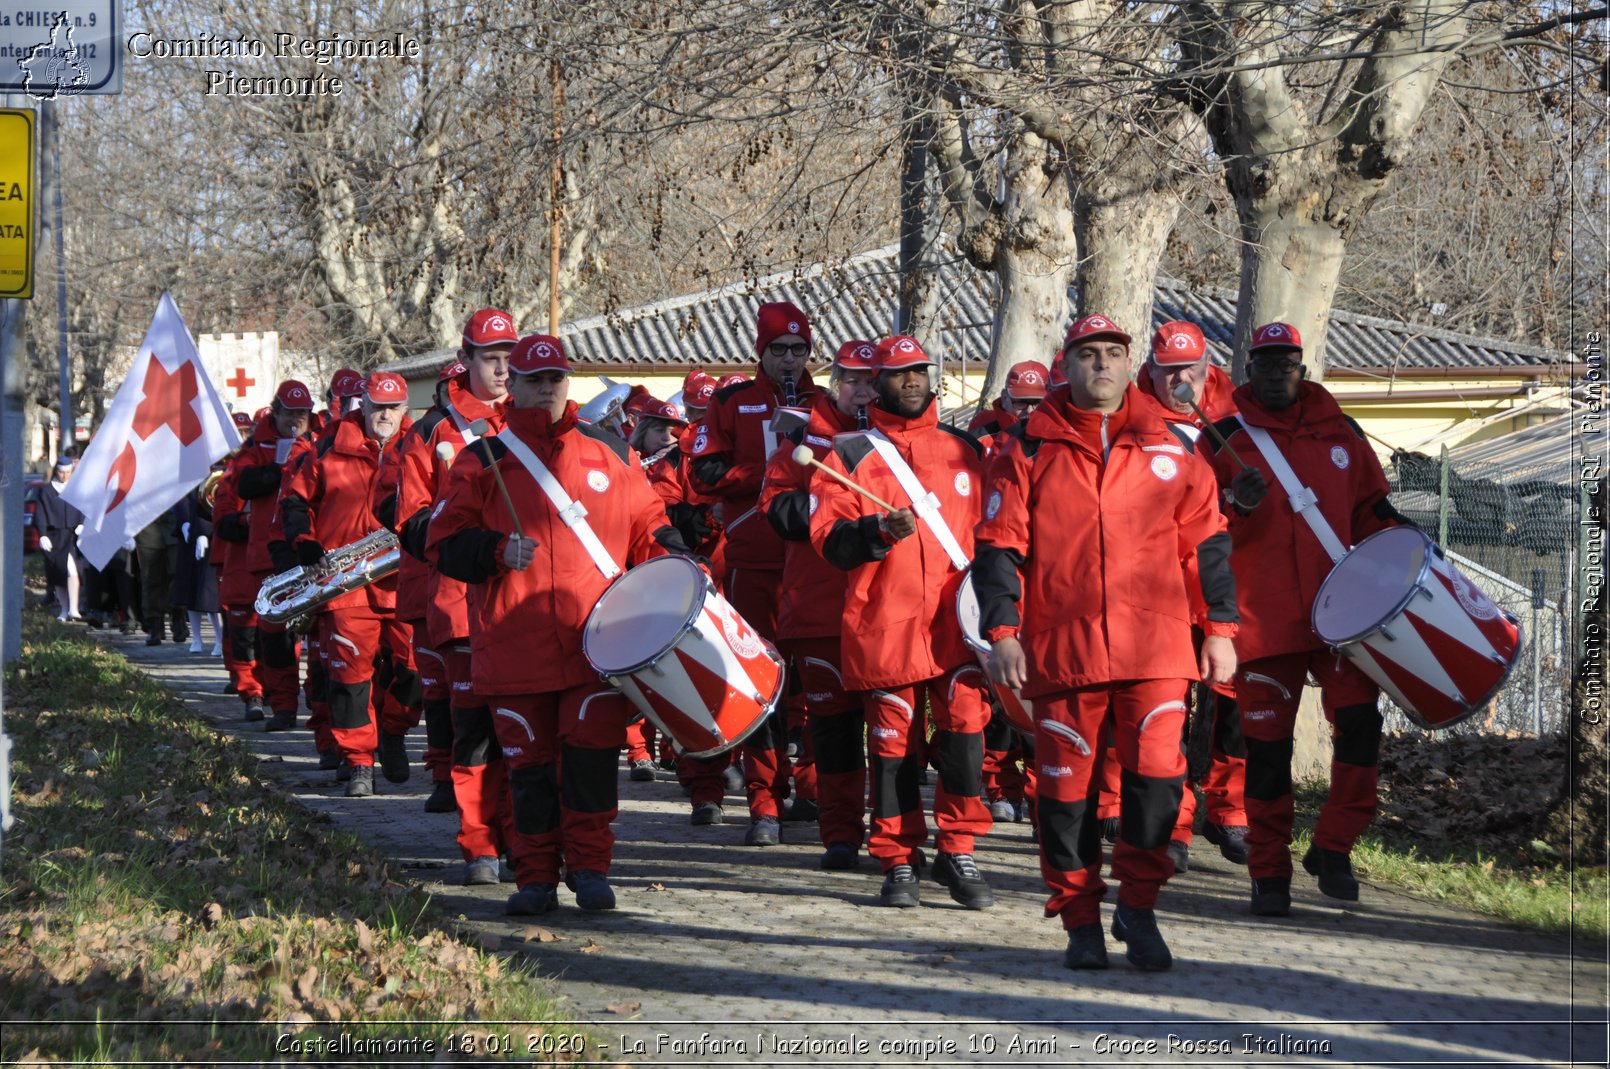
(301, 591)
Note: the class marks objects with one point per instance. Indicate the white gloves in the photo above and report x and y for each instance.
(201, 547)
(45, 543)
(184, 531)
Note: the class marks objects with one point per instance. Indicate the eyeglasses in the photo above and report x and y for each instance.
(1273, 365)
(782, 348)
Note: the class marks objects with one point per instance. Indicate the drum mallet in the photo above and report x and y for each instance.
(479, 429)
(806, 459)
(1184, 392)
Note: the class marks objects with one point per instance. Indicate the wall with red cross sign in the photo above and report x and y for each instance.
(244, 368)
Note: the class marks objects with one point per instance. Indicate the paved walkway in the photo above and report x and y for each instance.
(722, 954)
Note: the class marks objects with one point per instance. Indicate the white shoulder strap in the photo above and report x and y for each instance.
(572, 512)
(1304, 502)
(923, 501)
(470, 437)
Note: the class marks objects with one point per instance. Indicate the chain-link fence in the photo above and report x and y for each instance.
(1515, 537)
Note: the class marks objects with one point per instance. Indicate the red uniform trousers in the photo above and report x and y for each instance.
(352, 640)
(436, 699)
(318, 691)
(1268, 691)
(562, 750)
(895, 725)
(836, 738)
(480, 777)
(1003, 749)
(1147, 717)
(755, 593)
(243, 669)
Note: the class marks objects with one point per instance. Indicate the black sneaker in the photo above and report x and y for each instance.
(900, 888)
(533, 899)
(642, 771)
(481, 871)
(329, 760)
(254, 710)
(1180, 854)
(1137, 928)
(1002, 812)
(1087, 949)
(1335, 872)
(344, 772)
(959, 872)
(230, 688)
(1231, 839)
(593, 892)
(281, 721)
(362, 783)
(1109, 830)
(706, 813)
(442, 799)
(154, 640)
(801, 810)
(763, 831)
(840, 857)
(732, 779)
(393, 757)
(1271, 896)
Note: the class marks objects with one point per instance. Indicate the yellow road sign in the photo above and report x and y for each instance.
(18, 174)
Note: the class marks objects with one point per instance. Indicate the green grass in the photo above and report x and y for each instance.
(160, 901)
(1518, 886)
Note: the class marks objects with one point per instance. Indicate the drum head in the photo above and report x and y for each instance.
(643, 614)
(968, 612)
(1371, 584)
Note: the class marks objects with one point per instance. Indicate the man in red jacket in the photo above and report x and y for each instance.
(1279, 564)
(900, 639)
(1109, 519)
(809, 617)
(534, 577)
(1026, 383)
(327, 503)
(729, 458)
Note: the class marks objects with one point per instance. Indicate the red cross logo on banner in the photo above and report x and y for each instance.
(240, 382)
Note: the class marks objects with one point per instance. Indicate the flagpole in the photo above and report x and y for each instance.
(50, 131)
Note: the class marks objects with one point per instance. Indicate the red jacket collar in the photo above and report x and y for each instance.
(804, 389)
(826, 419)
(535, 425)
(896, 426)
(1314, 409)
(1057, 419)
(467, 405)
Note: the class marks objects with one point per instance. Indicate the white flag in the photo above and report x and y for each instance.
(159, 439)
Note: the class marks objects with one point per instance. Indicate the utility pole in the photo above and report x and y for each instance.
(51, 183)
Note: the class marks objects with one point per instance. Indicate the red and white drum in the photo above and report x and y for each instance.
(666, 638)
(1398, 609)
(1017, 709)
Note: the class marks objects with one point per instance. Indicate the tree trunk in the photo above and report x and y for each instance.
(918, 313)
(1290, 275)
(1121, 232)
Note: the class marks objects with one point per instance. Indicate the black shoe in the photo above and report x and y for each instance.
(254, 710)
(343, 772)
(181, 631)
(801, 810)
(1335, 872)
(480, 872)
(230, 688)
(763, 831)
(1180, 854)
(533, 899)
(442, 799)
(840, 857)
(1231, 839)
(642, 771)
(393, 757)
(1271, 897)
(732, 779)
(1137, 928)
(329, 760)
(1087, 949)
(283, 720)
(706, 813)
(154, 640)
(900, 888)
(1109, 829)
(362, 783)
(960, 873)
(592, 889)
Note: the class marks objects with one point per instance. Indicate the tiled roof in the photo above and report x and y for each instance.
(857, 298)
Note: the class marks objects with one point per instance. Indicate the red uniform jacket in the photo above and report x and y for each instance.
(424, 479)
(812, 604)
(1108, 549)
(1279, 564)
(525, 627)
(900, 622)
(226, 508)
(254, 477)
(329, 499)
(729, 462)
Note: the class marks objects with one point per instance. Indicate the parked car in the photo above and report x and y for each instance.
(31, 485)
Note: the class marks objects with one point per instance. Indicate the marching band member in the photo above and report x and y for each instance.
(328, 502)
(1024, 390)
(1279, 564)
(339, 399)
(729, 462)
(1107, 517)
(901, 640)
(698, 390)
(578, 511)
(477, 780)
(809, 615)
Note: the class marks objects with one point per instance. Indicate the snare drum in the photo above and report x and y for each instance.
(1398, 609)
(1017, 709)
(666, 638)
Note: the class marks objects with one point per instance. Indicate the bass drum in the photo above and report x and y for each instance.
(1019, 711)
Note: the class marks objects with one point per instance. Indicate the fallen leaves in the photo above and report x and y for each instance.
(622, 1007)
(1491, 792)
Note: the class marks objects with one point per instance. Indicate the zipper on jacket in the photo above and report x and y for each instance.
(1106, 443)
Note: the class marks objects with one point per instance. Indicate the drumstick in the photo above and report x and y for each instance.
(479, 429)
(1183, 392)
(806, 459)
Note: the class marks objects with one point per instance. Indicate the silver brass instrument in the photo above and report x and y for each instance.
(301, 590)
(608, 408)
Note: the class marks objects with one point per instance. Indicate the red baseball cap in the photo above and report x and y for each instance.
(1026, 381)
(385, 388)
(1177, 344)
(242, 420)
(490, 326)
(294, 395)
(451, 369)
(698, 389)
(775, 320)
(1276, 336)
(661, 410)
(899, 352)
(1093, 326)
(538, 352)
(731, 380)
(639, 401)
(345, 383)
(856, 355)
